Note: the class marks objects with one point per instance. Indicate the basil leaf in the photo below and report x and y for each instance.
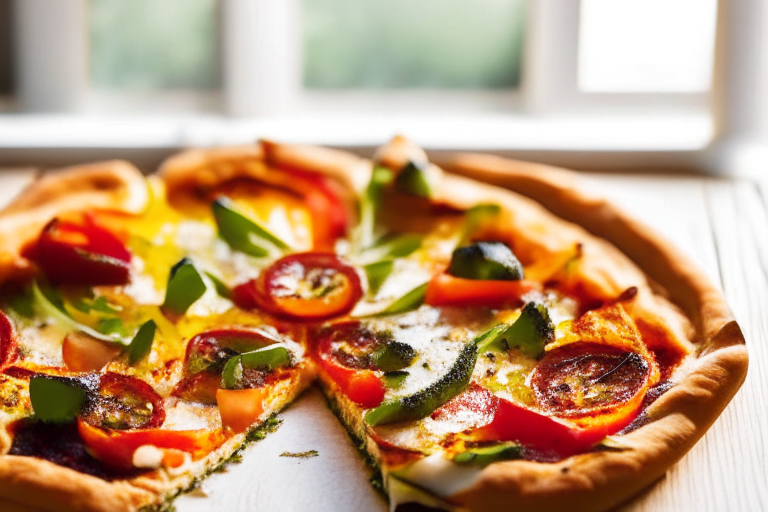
(411, 300)
(55, 400)
(241, 233)
(141, 344)
(185, 286)
(45, 306)
(377, 273)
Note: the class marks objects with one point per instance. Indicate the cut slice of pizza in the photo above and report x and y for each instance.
(128, 369)
(510, 358)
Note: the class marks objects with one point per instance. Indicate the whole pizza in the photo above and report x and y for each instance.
(492, 338)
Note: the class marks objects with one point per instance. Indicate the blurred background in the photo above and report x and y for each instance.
(651, 85)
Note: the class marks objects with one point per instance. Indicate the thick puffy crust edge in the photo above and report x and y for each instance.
(47, 486)
(114, 185)
(679, 418)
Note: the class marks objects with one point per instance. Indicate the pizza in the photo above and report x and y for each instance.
(491, 337)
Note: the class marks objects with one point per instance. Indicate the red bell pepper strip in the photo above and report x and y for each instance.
(512, 422)
(447, 290)
(115, 448)
(84, 254)
(9, 348)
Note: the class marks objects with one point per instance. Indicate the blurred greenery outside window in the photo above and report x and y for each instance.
(154, 44)
(401, 44)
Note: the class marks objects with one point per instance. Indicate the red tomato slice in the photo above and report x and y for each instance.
(115, 448)
(84, 254)
(124, 402)
(361, 385)
(308, 286)
(447, 290)
(9, 348)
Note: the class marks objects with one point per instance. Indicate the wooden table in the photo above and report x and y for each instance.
(721, 224)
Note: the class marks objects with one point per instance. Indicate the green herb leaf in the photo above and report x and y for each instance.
(185, 286)
(377, 273)
(241, 233)
(411, 300)
(45, 304)
(99, 304)
(55, 400)
(141, 344)
(392, 247)
(113, 327)
(219, 286)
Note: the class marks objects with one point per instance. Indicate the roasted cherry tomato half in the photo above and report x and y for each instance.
(448, 290)
(308, 286)
(9, 349)
(84, 254)
(343, 354)
(586, 381)
(124, 403)
(209, 351)
(116, 448)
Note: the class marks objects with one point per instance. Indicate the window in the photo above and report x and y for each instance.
(153, 44)
(383, 44)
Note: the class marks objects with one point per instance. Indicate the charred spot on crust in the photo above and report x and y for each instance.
(60, 444)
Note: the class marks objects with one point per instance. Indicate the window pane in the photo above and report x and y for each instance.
(646, 45)
(412, 43)
(147, 44)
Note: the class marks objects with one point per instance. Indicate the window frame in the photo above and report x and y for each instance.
(251, 30)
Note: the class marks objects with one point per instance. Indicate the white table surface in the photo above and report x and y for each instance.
(721, 224)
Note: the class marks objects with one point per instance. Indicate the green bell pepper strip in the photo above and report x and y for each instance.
(241, 233)
(55, 400)
(489, 454)
(377, 273)
(425, 401)
(415, 179)
(393, 356)
(185, 286)
(268, 358)
(370, 201)
(486, 261)
(530, 333)
(474, 218)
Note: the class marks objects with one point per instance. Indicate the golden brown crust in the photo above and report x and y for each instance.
(114, 185)
(48, 486)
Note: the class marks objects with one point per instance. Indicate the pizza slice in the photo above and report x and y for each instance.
(129, 371)
(511, 358)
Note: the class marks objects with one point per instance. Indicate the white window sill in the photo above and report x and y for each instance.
(501, 132)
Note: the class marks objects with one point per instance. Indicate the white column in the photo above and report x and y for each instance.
(51, 46)
(262, 57)
(741, 89)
